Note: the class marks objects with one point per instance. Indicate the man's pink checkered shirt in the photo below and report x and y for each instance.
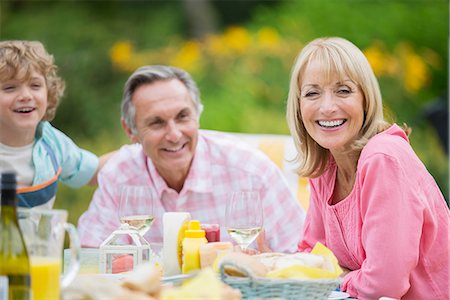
(221, 164)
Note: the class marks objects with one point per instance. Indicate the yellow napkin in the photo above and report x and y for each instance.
(205, 285)
(305, 272)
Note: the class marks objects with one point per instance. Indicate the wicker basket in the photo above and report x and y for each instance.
(253, 287)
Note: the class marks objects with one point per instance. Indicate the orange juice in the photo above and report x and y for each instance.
(45, 275)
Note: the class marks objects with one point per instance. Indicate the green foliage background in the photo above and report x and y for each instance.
(244, 84)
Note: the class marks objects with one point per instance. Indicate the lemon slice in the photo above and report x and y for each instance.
(183, 228)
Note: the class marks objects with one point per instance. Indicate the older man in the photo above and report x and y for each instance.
(190, 170)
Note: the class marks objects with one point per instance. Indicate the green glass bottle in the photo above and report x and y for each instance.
(15, 279)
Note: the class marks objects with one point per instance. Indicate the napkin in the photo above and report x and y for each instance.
(326, 266)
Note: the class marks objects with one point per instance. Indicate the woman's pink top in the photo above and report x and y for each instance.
(392, 230)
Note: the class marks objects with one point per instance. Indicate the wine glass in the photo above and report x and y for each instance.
(136, 204)
(244, 217)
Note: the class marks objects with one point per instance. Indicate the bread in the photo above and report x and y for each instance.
(145, 278)
(94, 287)
(269, 259)
(144, 283)
(209, 252)
(274, 261)
(265, 264)
(235, 262)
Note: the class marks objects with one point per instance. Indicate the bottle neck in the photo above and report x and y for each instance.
(8, 210)
(8, 197)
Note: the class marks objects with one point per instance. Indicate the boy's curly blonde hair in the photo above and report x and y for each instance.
(18, 59)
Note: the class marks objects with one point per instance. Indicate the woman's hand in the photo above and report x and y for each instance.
(261, 243)
(248, 251)
(345, 271)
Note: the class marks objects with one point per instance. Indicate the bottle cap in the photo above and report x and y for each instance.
(8, 180)
(194, 230)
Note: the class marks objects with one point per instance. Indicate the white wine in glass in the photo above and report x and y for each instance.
(244, 217)
(244, 236)
(136, 208)
(141, 223)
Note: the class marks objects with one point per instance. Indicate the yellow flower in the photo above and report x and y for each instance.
(391, 66)
(416, 73)
(188, 56)
(237, 39)
(376, 58)
(382, 63)
(120, 54)
(268, 37)
(215, 45)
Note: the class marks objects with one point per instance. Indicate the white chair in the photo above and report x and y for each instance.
(281, 150)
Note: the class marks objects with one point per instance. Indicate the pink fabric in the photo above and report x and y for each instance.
(221, 164)
(393, 228)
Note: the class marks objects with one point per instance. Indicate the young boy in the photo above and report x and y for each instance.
(30, 91)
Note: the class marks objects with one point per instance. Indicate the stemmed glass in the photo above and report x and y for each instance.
(244, 217)
(136, 204)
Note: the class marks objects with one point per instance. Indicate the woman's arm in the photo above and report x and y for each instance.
(313, 230)
(392, 226)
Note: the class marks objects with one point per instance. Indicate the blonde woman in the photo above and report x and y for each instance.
(373, 202)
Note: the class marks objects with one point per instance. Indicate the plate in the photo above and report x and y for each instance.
(177, 278)
(335, 295)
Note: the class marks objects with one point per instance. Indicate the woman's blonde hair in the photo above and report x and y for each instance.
(340, 57)
(18, 59)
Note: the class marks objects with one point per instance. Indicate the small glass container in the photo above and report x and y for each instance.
(117, 257)
(212, 232)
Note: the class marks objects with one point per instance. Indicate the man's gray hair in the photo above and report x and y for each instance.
(148, 75)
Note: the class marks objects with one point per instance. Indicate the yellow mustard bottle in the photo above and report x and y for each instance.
(194, 236)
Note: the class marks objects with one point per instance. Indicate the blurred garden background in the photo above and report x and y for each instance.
(240, 53)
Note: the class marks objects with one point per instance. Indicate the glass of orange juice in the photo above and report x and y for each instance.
(44, 232)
